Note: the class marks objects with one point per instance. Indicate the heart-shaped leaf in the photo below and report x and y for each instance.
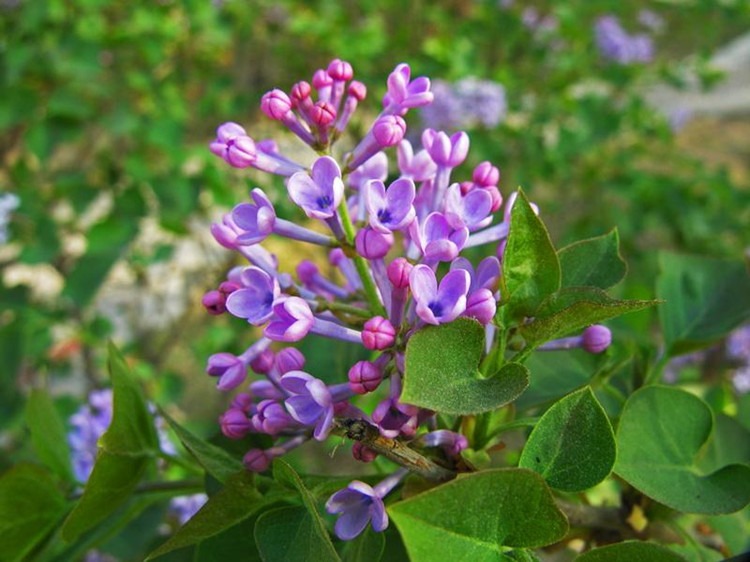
(573, 445)
(289, 534)
(475, 515)
(442, 371)
(660, 434)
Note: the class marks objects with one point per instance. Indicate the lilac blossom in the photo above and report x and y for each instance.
(617, 45)
(8, 203)
(470, 102)
(417, 167)
(184, 507)
(254, 301)
(321, 191)
(311, 402)
(437, 240)
(88, 424)
(404, 93)
(438, 304)
(594, 339)
(470, 210)
(390, 209)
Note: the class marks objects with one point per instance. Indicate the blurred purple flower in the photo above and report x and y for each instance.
(470, 102)
(616, 44)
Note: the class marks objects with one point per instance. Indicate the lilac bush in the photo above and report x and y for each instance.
(395, 251)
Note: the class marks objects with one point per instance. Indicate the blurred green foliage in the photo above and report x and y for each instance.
(106, 109)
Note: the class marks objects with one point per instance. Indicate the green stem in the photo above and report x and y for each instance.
(371, 291)
(345, 308)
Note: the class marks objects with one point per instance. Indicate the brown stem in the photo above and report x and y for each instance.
(393, 449)
(607, 518)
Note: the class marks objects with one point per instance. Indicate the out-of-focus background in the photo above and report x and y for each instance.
(633, 115)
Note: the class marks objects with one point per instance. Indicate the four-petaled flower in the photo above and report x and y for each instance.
(390, 209)
(310, 402)
(443, 303)
(358, 504)
(320, 192)
(254, 301)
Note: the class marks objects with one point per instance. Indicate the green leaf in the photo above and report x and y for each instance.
(236, 543)
(283, 473)
(629, 551)
(48, 434)
(475, 515)
(216, 461)
(30, 507)
(575, 308)
(556, 374)
(367, 547)
(729, 444)
(442, 374)
(110, 485)
(595, 262)
(706, 298)
(132, 429)
(126, 450)
(661, 431)
(531, 269)
(235, 502)
(572, 445)
(289, 534)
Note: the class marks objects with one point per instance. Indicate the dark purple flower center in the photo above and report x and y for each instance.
(384, 216)
(268, 300)
(436, 308)
(324, 201)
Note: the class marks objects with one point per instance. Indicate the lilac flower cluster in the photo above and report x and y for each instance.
(90, 422)
(617, 45)
(470, 102)
(738, 351)
(8, 203)
(394, 248)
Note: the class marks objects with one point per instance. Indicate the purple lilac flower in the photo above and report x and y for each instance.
(617, 45)
(311, 402)
(254, 301)
(390, 209)
(470, 102)
(359, 504)
(184, 507)
(88, 424)
(594, 339)
(8, 203)
(320, 192)
(443, 303)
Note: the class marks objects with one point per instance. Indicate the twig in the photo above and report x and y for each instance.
(393, 449)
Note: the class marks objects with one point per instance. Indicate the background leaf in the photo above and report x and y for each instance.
(531, 269)
(289, 534)
(660, 433)
(595, 262)
(705, 298)
(237, 501)
(629, 551)
(441, 371)
(473, 516)
(48, 434)
(572, 446)
(30, 507)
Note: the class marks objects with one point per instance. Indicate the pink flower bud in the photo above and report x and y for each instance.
(322, 114)
(289, 359)
(276, 104)
(364, 377)
(372, 244)
(389, 130)
(263, 363)
(486, 175)
(340, 70)
(398, 273)
(235, 424)
(363, 453)
(321, 79)
(357, 90)
(378, 333)
(257, 460)
(214, 302)
(300, 92)
(596, 338)
(481, 305)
